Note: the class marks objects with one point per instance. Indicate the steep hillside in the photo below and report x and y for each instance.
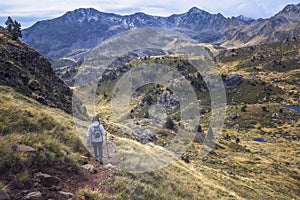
(41, 155)
(31, 74)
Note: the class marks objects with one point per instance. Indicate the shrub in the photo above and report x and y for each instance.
(169, 124)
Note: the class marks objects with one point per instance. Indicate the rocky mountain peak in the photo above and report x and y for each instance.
(245, 19)
(194, 10)
(86, 15)
(291, 11)
(291, 8)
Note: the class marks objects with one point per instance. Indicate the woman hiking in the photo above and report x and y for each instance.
(95, 136)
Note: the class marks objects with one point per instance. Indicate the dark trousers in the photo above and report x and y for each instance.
(98, 149)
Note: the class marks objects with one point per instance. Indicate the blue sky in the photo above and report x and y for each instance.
(29, 11)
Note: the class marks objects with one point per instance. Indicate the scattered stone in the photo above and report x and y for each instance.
(83, 160)
(90, 168)
(275, 115)
(24, 148)
(297, 162)
(66, 194)
(242, 168)
(227, 137)
(258, 56)
(41, 100)
(210, 162)
(33, 196)
(236, 127)
(109, 165)
(212, 153)
(64, 152)
(167, 99)
(4, 195)
(228, 158)
(264, 108)
(229, 172)
(198, 129)
(165, 144)
(185, 158)
(48, 180)
(234, 116)
(232, 81)
(259, 140)
(243, 109)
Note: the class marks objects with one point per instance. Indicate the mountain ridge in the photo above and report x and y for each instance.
(85, 28)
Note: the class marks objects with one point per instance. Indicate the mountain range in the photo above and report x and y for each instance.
(76, 32)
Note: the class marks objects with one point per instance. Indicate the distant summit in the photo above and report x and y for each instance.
(245, 19)
(291, 11)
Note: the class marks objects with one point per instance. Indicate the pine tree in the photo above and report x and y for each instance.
(13, 28)
(17, 33)
(9, 24)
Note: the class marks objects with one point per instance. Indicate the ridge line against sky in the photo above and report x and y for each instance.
(30, 11)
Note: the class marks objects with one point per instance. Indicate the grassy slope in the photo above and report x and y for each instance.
(249, 170)
(275, 63)
(50, 131)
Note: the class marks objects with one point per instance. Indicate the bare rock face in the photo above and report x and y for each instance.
(29, 73)
(34, 196)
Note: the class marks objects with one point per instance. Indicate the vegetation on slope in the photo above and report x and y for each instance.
(50, 132)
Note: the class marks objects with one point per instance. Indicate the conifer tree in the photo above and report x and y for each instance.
(13, 28)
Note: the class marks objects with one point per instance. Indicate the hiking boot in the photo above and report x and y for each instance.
(99, 160)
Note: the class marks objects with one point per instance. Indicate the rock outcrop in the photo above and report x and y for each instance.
(29, 73)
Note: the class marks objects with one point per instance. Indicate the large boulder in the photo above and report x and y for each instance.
(34, 196)
(47, 180)
(232, 80)
(90, 168)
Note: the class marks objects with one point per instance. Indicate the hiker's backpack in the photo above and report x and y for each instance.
(97, 131)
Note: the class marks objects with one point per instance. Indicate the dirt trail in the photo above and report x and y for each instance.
(103, 172)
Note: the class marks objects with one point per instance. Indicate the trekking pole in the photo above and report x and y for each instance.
(106, 147)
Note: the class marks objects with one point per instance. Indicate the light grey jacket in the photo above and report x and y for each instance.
(90, 137)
